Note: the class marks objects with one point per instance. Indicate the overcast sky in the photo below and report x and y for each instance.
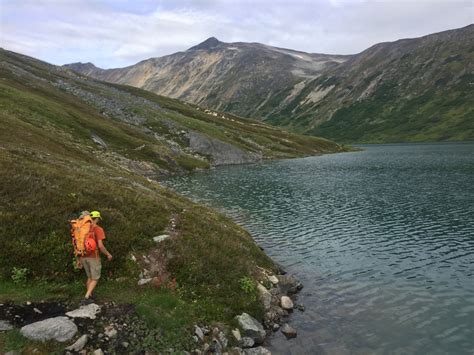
(116, 33)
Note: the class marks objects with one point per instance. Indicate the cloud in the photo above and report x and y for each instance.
(118, 33)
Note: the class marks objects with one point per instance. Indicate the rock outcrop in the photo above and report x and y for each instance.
(59, 328)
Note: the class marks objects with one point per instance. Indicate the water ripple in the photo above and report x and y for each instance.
(383, 241)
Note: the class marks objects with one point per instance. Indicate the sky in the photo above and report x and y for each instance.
(117, 33)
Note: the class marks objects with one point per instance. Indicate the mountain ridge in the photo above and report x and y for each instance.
(318, 93)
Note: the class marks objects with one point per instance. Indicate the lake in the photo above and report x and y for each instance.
(382, 239)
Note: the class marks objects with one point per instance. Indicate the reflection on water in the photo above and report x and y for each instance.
(382, 239)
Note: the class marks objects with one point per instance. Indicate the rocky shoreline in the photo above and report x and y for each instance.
(110, 328)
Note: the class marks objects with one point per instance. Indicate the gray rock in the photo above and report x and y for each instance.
(160, 238)
(216, 347)
(288, 284)
(222, 339)
(300, 307)
(125, 344)
(251, 328)
(5, 325)
(79, 344)
(98, 352)
(264, 296)
(89, 311)
(58, 328)
(257, 351)
(246, 342)
(288, 331)
(276, 326)
(199, 333)
(286, 303)
(236, 351)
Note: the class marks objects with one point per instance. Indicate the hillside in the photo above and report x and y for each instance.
(70, 143)
(409, 90)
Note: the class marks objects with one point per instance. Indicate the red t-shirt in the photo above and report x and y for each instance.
(98, 235)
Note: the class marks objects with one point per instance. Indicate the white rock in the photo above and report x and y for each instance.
(160, 238)
(58, 328)
(37, 310)
(110, 331)
(79, 344)
(199, 333)
(98, 352)
(236, 334)
(286, 303)
(273, 279)
(89, 311)
(142, 282)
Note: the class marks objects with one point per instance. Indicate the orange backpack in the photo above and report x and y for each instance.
(80, 232)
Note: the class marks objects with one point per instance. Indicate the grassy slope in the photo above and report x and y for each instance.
(50, 168)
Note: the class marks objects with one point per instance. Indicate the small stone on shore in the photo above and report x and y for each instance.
(288, 331)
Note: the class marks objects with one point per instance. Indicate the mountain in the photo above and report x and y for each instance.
(231, 77)
(409, 90)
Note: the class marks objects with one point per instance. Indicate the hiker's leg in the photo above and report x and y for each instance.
(90, 287)
(88, 283)
(95, 271)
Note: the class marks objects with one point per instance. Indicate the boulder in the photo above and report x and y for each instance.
(288, 284)
(89, 311)
(251, 328)
(257, 351)
(79, 344)
(5, 325)
(58, 328)
(286, 303)
(288, 331)
(264, 296)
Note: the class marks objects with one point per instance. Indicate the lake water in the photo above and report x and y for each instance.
(382, 239)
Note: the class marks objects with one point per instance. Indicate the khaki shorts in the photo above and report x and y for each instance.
(93, 267)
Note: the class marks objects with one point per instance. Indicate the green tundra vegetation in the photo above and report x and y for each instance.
(51, 167)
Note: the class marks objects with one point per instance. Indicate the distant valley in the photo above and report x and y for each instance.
(417, 89)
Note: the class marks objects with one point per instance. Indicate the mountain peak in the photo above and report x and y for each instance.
(209, 43)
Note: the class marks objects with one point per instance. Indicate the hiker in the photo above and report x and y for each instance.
(91, 260)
